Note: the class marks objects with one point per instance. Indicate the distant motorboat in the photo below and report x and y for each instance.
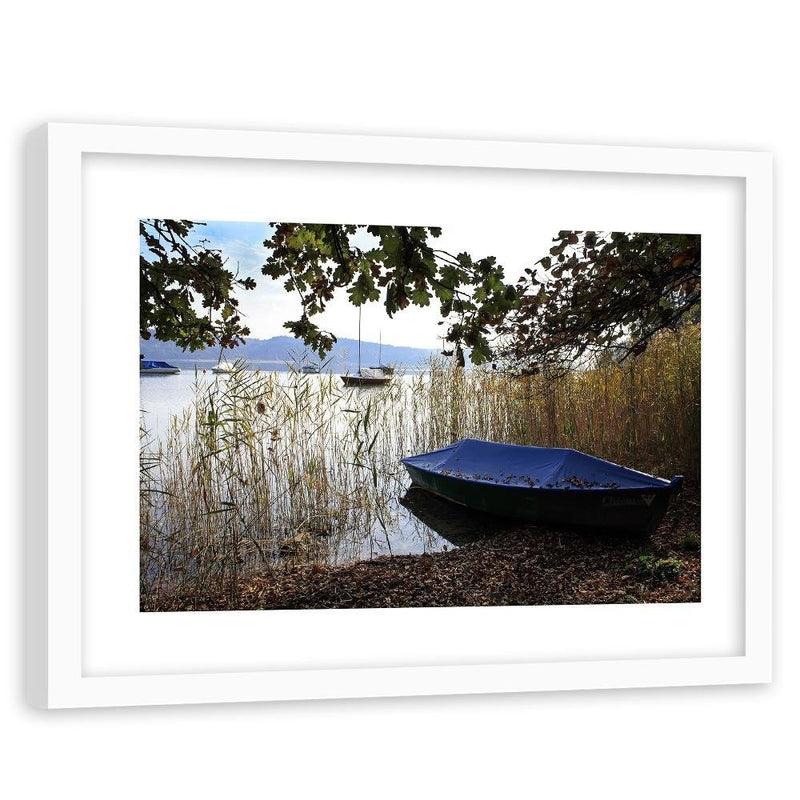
(147, 367)
(309, 369)
(223, 368)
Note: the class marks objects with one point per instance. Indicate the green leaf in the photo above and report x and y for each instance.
(420, 297)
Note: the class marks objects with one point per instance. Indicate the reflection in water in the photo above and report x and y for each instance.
(456, 524)
(243, 471)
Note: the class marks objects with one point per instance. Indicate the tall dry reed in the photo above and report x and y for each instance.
(266, 468)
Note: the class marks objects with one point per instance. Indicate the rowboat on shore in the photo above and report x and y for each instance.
(147, 367)
(550, 486)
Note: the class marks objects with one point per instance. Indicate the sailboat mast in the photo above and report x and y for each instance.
(380, 342)
(359, 340)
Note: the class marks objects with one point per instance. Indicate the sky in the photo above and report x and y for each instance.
(268, 306)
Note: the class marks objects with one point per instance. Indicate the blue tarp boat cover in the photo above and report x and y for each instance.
(155, 365)
(533, 467)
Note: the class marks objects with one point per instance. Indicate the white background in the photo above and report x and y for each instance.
(613, 73)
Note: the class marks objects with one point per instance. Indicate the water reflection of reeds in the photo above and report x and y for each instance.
(270, 468)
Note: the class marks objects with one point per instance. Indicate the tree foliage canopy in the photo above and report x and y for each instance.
(400, 266)
(598, 291)
(174, 276)
(593, 292)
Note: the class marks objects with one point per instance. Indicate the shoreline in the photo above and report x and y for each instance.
(524, 565)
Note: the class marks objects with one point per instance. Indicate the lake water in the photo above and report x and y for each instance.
(419, 522)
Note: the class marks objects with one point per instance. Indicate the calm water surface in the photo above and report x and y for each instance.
(423, 523)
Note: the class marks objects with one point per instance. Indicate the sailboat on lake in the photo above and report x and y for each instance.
(224, 367)
(368, 376)
(387, 370)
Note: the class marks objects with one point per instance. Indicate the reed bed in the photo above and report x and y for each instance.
(274, 468)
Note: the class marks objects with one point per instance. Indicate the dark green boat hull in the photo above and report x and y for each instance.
(362, 381)
(624, 510)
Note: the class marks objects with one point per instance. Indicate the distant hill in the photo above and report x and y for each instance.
(276, 352)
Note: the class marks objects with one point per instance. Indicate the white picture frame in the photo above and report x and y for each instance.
(64, 569)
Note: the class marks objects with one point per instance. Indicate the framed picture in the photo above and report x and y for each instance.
(412, 416)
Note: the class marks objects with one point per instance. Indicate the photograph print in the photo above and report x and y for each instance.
(364, 416)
